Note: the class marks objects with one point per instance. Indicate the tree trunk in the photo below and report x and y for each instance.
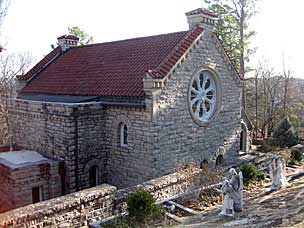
(242, 63)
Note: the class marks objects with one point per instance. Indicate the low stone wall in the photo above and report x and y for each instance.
(72, 210)
(80, 208)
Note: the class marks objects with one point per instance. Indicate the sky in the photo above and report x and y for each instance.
(33, 25)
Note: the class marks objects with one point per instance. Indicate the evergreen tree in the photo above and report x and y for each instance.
(285, 134)
(233, 31)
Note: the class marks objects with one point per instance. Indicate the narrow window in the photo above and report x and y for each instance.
(219, 160)
(93, 176)
(123, 135)
(37, 194)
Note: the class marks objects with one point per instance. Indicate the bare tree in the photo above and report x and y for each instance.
(270, 83)
(286, 76)
(11, 65)
(3, 9)
(264, 97)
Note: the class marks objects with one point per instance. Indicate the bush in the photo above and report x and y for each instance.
(251, 172)
(284, 134)
(141, 207)
(296, 155)
(266, 147)
(292, 162)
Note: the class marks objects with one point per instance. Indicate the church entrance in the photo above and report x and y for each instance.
(243, 138)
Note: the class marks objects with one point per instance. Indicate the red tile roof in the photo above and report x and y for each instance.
(40, 65)
(114, 69)
(166, 65)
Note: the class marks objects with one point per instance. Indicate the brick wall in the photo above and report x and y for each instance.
(16, 184)
(6, 189)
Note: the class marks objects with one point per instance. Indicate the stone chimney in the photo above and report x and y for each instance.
(202, 17)
(67, 41)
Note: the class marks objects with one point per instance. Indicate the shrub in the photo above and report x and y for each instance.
(292, 162)
(285, 134)
(251, 172)
(260, 176)
(297, 155)
(266, 147)
(141, 207)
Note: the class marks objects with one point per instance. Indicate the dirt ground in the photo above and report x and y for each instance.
(262, 208)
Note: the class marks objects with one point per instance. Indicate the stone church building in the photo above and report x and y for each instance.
(123, 112)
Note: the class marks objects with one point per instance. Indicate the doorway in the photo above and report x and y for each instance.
(93, 176)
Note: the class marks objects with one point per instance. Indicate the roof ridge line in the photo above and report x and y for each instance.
(127, 39)
(26, 77)
(153, 72)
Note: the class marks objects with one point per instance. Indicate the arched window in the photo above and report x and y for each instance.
(123, 135)
(219, 160)
(93, 176)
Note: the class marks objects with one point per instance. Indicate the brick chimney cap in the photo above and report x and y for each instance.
(203, 11)
(70, 37)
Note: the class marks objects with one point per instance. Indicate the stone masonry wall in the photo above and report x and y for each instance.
(179, 138)
(84, 135)
(86, 206)
(129, 165)
(68, 132)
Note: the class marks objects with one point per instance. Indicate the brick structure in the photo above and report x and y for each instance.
(27, 177)
(129, 111)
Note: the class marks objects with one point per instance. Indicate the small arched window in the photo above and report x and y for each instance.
(123, 135)
(219, 160)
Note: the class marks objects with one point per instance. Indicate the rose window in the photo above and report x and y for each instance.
(203, 96)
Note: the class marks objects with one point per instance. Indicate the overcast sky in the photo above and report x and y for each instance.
(33, 25)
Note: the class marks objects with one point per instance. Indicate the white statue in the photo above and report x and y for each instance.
(277, 173)
(232, 192)
(227, 207)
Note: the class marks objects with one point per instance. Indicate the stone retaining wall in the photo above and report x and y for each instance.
(80, 208)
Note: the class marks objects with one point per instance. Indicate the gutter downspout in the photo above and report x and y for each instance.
(75, 115)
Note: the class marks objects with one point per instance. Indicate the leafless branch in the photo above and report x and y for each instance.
(11, 65)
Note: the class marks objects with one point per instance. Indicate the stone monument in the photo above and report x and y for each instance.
(232, 192)
(277, 173)
(227, 207)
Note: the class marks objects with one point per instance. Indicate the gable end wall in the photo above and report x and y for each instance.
(179, 138)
